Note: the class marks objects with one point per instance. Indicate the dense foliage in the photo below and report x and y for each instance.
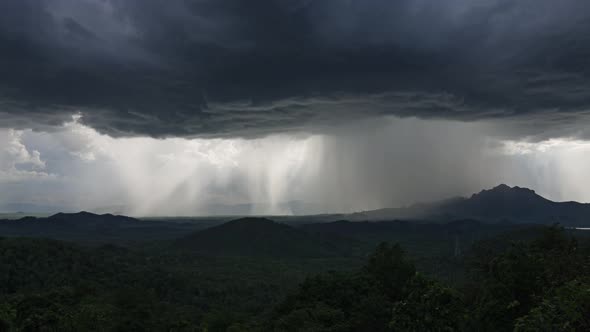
(386, 294)
(540, 284)
(55, 286)
(534, 286)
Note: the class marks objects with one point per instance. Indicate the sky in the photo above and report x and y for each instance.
(196, 107)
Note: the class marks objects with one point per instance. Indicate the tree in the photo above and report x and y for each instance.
(429, 306)
(568, 309)
(388, 266)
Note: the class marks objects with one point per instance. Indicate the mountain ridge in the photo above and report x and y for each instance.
(99, 228)
(501, 203)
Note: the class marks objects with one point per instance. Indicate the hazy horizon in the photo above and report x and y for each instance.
(293, 208)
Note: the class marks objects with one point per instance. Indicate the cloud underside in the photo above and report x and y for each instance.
(211, 68)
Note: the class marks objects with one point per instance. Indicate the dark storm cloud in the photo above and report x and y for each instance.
(243, 68)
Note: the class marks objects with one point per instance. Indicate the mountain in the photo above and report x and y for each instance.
(515, 204)
(87, 219)
(73, 220)
(101, 228)
(262, 237)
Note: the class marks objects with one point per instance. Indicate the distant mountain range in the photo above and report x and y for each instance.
(301, 237)
(294, 207)
(90, 227)
(502, 203)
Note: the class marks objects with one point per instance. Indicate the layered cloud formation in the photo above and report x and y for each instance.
(185, 106)
(234, 68)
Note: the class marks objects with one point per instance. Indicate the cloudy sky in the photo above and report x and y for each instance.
(186, 107)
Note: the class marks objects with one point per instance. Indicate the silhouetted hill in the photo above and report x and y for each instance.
(261, 237)
(87, 219)
(80, 220)
(506, 203)
(90, 227)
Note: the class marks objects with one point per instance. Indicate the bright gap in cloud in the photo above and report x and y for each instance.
(367, 165)
(146, 176)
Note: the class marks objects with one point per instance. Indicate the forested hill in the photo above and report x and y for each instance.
(263, 237)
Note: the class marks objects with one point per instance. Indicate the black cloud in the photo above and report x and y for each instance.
(242, 68)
